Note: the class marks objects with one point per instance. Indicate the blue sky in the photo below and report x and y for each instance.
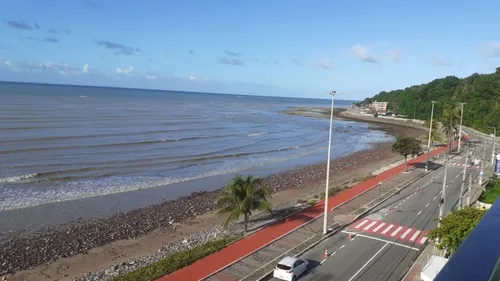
(284, 48)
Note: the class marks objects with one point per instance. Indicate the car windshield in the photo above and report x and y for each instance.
(283, 267)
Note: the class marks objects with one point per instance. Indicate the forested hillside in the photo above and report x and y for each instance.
(481, 92)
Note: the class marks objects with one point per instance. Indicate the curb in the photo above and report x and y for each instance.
(335, 231)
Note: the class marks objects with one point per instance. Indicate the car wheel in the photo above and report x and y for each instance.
(294, 278)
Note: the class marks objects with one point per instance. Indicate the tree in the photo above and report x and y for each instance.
(435, 135)
(406, 146)
(455, 228)
(481, 92)
(450, 122)
(242, 196)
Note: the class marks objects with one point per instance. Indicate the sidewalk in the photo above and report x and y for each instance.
(254, 255)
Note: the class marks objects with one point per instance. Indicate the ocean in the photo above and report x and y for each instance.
(62, 143)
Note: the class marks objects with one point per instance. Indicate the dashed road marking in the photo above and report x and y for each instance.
(341, 247)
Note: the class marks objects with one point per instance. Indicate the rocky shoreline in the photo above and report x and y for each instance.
(22, 250)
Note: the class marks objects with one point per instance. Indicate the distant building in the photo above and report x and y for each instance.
(379, 106)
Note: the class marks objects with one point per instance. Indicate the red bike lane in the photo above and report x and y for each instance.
(246, 246)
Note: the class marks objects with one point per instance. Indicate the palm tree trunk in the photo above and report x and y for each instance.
(406, 168)
(246, 222)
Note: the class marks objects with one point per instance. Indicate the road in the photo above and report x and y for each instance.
(387, 241)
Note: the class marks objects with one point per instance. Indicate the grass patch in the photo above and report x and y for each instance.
(364, 178)
(311, 202)
(176, 261)
(492, 191)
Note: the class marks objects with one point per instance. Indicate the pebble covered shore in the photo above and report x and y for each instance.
(23, 251)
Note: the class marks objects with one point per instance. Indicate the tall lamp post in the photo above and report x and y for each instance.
(462, 185)
(460, 130)
(325, 218)
(493, 148)
(443, 192)
(429, 141)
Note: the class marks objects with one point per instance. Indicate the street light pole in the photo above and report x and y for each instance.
(379, 190)
(443, 192)
(429, 141)
(493, 148)
(325, 218)
(460, 130)
(463, 178)
(469, 190)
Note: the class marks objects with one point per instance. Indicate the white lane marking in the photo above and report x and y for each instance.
(404, 200)
(379, 227)
(387, 229)
(427, 205)
(321, 262)
(406, 233)
(388, 241)
(370, 260)
(370, 225)
(418, 214)
(422, 241)
(415, 235)
(333, 253)
(361, 224)
(342, 247)
(399, 204)
(434, 198)
(396, 231)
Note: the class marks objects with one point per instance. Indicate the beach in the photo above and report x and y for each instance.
(110, 196)
(74, 242)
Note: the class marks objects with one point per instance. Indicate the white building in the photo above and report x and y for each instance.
(379, 106)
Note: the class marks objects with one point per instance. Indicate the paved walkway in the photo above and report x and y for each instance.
(248, 257)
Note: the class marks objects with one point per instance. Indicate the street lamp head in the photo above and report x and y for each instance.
(332, 93)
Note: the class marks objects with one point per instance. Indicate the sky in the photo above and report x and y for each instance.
(259, 47)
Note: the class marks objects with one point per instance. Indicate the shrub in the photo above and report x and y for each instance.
(176, 261)
(311, 202)
(491, 192)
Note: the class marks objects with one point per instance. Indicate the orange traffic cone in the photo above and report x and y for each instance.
(350, 236)
(326, 254)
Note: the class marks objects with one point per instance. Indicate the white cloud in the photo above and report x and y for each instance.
(151, 77)
(491, 49)
(394, 55)
(85, 68)
(441, 61)
(325, 63)
(8, 63)
(192, 77)
(126, 71)
(363, 54)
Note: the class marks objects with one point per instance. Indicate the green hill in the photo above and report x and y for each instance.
(481, 92)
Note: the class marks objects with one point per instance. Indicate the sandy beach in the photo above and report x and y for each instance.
(65, 252)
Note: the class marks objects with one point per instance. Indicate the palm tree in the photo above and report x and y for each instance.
(450, 122)
(242, 196)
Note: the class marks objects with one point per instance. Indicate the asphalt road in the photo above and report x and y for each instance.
(387, 241)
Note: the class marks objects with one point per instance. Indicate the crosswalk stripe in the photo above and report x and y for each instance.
(361, 224)
(370, 225)
(387, 229)
(422, 241)
(415, 235)
(406, 233)
(379, 227)
(396, 231)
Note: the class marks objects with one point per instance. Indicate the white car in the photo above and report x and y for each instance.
(290, 269)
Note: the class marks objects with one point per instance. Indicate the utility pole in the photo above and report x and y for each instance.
(325, 218)
(469, 190)
(379, 190)
(493, 148)
(460, 130)
(443, 192)
(482, 164)
(463, 178)
(429, 141)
